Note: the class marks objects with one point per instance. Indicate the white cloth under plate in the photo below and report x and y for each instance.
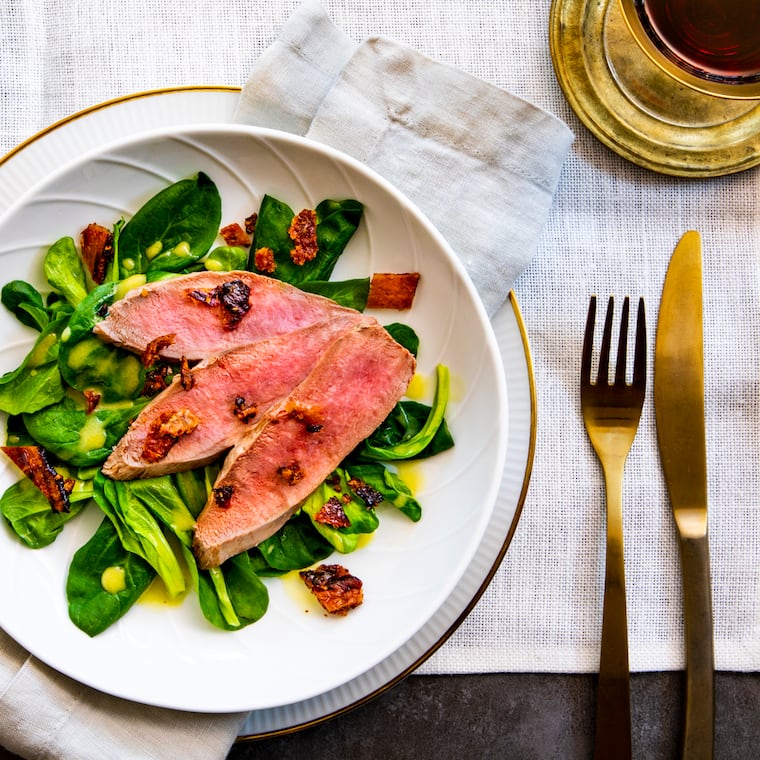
(611, 229)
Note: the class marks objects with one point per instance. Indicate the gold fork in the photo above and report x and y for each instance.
(611, 413)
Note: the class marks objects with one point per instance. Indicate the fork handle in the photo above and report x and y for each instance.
(612, 738)
(700, 702)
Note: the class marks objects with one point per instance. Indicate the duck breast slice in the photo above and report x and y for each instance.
(200, 416)
(193, 316)
(299, 442)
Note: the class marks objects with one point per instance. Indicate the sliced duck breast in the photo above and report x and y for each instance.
(299, 442)
(193, 316)
(199, 417)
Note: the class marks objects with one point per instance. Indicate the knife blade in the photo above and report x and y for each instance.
(679, 403)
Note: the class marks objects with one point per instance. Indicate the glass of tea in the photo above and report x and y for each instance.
(712, 46)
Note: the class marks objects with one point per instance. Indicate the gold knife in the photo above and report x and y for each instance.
(679, 402)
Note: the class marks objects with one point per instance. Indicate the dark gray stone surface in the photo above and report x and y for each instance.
(522, 716)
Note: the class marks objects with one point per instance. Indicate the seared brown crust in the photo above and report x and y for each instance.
(335, 588)
(166, 430)
(230, 297)
(33, 462)
(243, 410)
(151, 354)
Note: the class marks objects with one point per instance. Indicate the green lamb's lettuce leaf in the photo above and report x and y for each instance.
(139, 530)
(231, 596)
(389, 485)
(404, 435)
(89, 364)
(65, 271)
(295, 546)
(25, 303)
(37, 381)
(29, 514)
(226, 258)
(93, 607)
(361, 518)
(172, 230)
(162, 498)
(76, 435)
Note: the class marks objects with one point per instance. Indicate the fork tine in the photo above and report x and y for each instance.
(604, 353)
(588, 342)
(640, 356)
(622, 354)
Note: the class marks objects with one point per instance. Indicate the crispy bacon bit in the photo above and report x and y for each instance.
(392, 291)
(33, 462)
(311, 417)
(335, 588)
(369, 495)
(151, 354)
(222, 496)
(231, 296)
(303, 232)
(155, 380)
(97, 251)
(291, 473)
(250, 223)
(243, 411)
(263, 260)
(165, 430)
(333, 514)
(234, 234)
(92, 399)
(186, 378)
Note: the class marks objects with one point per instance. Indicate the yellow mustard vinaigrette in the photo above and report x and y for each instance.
(92, 436)
(294, 587)
(420, 387)
(156, 594)
(113, 579)
(412, 474)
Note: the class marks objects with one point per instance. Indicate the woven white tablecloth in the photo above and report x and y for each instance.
(611, 230)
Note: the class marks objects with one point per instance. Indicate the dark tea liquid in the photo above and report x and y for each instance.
(712, 38)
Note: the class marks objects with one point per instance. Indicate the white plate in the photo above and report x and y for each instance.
(171, 656)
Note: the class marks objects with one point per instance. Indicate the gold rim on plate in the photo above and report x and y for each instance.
(409, 667)
(635, 109)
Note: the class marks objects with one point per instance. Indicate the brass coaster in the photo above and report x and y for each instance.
(638, 111)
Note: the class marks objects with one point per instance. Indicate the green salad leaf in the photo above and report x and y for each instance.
(25, 303)
(173, 229)
(30, 516)
(79, 436)
(65, 271)
(92, 607)
(337, 221)
(89, 364)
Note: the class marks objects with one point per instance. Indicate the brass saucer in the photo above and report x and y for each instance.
(638, 111)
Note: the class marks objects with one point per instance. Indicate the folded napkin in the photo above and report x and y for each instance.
(481, 163)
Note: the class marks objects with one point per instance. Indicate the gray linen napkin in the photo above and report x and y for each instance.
(481, 163)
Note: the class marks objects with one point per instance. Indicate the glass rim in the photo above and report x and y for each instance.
(746, 86)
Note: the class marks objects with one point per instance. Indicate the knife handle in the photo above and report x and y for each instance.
(700, 668)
